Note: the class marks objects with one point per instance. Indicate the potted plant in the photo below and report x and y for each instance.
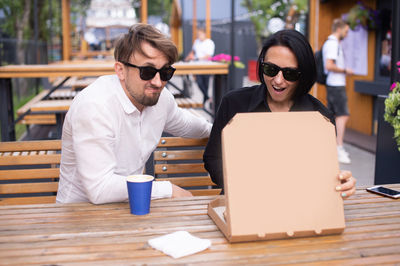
(392, 109)
(362, 16)
(388, 138)
(226, 58)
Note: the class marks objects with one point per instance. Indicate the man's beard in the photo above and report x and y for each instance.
(148, 101)
(145, 100)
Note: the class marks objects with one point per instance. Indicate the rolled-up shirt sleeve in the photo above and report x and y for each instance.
(182, 123)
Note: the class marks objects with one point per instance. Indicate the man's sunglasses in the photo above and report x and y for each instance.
(271, 70)
(148, 72)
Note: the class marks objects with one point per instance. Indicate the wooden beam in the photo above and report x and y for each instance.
(66, 33)
(194, 26)
(175, 24)
(208, 19)
(313, 27)
(143, 11)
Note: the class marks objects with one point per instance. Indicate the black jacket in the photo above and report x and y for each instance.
(245, 100)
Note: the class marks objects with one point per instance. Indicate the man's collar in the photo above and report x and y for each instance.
(333, 37)
(126, 103)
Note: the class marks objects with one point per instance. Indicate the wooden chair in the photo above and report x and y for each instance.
(188, 103)
(63, 93)
(29, 171)
(180, 160)
(80, 84)
(61, 97)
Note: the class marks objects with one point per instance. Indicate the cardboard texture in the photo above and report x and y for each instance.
(280, 174)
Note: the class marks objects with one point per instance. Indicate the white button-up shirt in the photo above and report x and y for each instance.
(105, 138)
(203, 48)
(333, 50)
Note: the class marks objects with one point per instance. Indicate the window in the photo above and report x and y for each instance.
(384, 41)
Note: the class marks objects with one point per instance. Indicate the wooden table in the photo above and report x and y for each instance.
(78, 234)
(89, 68)
(99, 67)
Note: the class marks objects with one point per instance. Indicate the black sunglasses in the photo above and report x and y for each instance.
(148, 72)
(271, 70)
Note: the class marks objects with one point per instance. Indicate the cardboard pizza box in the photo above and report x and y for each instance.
(280, 174)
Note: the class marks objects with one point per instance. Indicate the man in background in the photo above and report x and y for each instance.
(336, 70)
(203, 49)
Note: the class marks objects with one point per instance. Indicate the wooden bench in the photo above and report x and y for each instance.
(80, 84)
(180, 160)
(35, 119)
(29, 171)
(60, 96)
(188, 103)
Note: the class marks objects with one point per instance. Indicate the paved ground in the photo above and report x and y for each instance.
(362, 165)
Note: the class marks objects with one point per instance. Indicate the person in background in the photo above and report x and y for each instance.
(113, 125)
(203, 49)
(336, 70)
(287, 70)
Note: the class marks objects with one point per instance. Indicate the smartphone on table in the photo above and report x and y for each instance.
(385, 191)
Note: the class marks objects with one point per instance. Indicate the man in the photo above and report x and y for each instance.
(203, 49)
(336, 82)
(114, 124)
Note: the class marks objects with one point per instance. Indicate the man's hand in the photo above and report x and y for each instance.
(190, 56)
(347, 185)
(349, 71)
(178, 192)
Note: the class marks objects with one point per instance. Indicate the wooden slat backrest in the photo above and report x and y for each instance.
(188, 103)
(180, 160)
(29, 171)
(38, 119)
(39, 145)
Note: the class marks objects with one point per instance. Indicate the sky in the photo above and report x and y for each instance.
(220, 9)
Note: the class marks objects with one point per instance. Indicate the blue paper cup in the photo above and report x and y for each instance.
(139, 190)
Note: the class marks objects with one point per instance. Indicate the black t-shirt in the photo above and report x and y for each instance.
(245, 100)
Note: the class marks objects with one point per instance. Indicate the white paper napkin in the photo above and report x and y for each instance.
(179, 244)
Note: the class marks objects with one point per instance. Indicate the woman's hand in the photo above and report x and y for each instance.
(347, 185)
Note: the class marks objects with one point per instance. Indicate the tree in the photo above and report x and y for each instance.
(19, 21)
(160, 8)
(264, 10)
(17, 17)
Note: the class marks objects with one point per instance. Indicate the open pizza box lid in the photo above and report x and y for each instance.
(280, 174)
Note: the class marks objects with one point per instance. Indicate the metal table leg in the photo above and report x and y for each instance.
(6, 111)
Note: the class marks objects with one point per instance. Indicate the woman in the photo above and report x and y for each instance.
(287, 70)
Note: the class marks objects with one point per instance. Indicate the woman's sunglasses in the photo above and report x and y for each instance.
(148, 72)
(271, 70)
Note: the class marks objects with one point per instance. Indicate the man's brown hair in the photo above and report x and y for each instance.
(132, 41)
(338, 24)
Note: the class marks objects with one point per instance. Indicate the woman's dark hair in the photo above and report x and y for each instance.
(299, 45)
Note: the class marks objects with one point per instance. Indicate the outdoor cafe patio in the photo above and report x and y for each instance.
(36, 230)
